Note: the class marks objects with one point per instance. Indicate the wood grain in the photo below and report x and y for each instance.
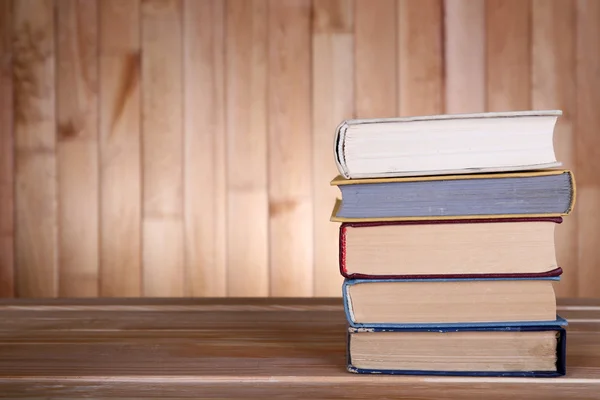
(508, 71)
(233, 348)
(464, 55)
(77, 147)
(421, 63)
(162, 143)
(587, 145)
(7, 233)
(120, 150)
(247, 143)
(375, 60)
(290, 194)
(205, 202)
(553, 87)
(35, 141)
(332, 102)
(238, 101)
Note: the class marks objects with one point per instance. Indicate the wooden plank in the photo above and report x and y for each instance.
(553, 87)
(120, 152)
(375, 60)
(250, 348)
(35, 164)
(247, 189)
(508, 55)
(579, 385)
(162, 141)
(587, 146)
(420, 53)
(77, 147)
(290, 195)
(7, 233)
(332, 102)
(205, 201)
(464, 33)
(192, 304)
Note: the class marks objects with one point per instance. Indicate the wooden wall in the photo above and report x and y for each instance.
(184, 147)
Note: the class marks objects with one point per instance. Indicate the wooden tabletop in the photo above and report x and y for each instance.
(232, 348)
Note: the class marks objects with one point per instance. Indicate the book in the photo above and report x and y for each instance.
(470, 350)
(549, 193)
(446, 144)
(448, 302)
(510, 247)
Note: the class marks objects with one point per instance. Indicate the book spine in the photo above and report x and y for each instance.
(342, 251)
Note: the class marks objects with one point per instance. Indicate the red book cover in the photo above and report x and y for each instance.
(342, 249)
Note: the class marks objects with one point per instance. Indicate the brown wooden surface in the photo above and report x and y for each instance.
(77, 147)
(184, 147)
(120, 148)
(247, 266)
(34, 129)
(587, 145)
(289, 130)
(7, 233)
(232, 348)
(162, 144)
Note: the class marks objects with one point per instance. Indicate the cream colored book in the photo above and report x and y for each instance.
(406, 302)
(449, 248)
(526, 351)
(446, 144)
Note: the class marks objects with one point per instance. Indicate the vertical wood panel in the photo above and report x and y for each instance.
(588, 146)
(553, 87)
(421, 86)
(333, 101)
(204, 148)
(120, 157)
(162, 141)
(290, 195)
(465, 56)
(35, 169)
(239, 101)
(77, 147)
(247, 190)
(6, 153)
(508, 55)
(375, 60)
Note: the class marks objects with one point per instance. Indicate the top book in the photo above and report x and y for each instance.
(446, 144)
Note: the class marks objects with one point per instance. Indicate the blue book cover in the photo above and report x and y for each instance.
(560, 369)
(353, 323)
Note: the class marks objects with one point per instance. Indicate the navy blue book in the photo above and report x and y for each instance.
(449, 302)
(537, 350)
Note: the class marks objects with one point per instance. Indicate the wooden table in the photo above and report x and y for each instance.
(232, 348)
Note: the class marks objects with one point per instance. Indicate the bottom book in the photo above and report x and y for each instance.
(523, 351)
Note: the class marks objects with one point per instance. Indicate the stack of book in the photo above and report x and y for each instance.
(447, 243)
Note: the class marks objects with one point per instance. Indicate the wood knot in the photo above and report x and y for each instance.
(281, 207)
(71, 129)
